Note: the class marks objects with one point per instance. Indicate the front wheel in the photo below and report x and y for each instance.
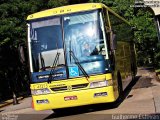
(59, 111)
(62, 111)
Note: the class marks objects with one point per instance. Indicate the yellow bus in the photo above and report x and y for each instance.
(79, 55)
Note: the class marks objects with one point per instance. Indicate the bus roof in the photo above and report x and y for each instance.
(65, 10)
(71, 9)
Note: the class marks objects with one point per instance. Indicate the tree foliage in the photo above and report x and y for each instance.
(146, 36)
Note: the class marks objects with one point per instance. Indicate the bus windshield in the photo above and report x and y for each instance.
(46, 41)
(80, 33)
(85, 38)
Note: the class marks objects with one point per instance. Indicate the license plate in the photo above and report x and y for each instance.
(100, 94)
(70, 98)
(45, 101)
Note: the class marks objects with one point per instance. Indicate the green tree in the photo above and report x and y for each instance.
(146, 36)
(13, 14)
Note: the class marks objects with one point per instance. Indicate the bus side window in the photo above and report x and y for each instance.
(107, 27)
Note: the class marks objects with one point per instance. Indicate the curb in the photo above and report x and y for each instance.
(9, 102)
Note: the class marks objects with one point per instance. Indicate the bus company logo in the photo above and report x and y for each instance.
(58, 85)
(69, 88)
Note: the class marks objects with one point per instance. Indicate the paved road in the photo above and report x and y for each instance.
(141, 100)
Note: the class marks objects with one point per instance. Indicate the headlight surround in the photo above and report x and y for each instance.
(40, 91)
(100, 83)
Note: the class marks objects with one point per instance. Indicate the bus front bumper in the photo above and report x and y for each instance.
(74, 98)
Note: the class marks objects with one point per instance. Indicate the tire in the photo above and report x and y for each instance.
(133, 71)
(58, 111)
(120, 87)
(61, 111)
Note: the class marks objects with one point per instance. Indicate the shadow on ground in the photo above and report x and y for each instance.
(1, 110)
(96, 107)
(144, 82)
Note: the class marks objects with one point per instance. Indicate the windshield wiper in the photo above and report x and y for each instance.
(79, 65)
(52, 72)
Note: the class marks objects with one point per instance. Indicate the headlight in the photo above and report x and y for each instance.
(40, 91)
(101, 83)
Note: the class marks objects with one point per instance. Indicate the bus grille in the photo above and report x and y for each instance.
(73, 87)
(59, 88)
(79, 86)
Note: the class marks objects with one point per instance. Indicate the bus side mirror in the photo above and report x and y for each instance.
(113, 42)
